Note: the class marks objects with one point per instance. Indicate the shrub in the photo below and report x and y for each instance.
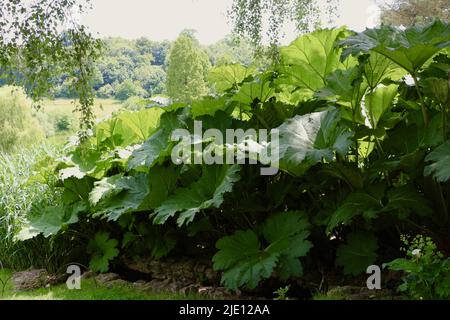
(426, 272)
(105, 92)
(63, 122)
(135, 103)
(17, 125)
(128, 89)
(27, 180)
(46, 122)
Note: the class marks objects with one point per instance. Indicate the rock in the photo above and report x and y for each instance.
(30, 280)
(184, 271)
(218, 293)
(190, 289)
(212, 276)
(143, 286)
(106, 277)
(87, 275)
(158, 286)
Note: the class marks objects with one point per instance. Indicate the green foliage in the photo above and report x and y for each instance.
(426, 271)
(439, 160)
(358, 253)
(307, 61)
(18, 127)
(128, 89)
(27, 180)
(229, 76)
(357, 142)
(246, 261)
(281, 293)
(410, 48)
(63, 123)
(135, 103)
(309, 139)
(248, 22)
(37, 44)
(231, 51)
(208, 106)
(152, 78)
(206, 192)
(187, 71)
(103, 250)
(49, 222)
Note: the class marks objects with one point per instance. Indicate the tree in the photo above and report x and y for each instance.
(152, 78)
(40, 40)
(413, 12)
(187, 71)
(17, 125)
(231, 50)
(248, 17)
(107, 91)
(157, 49)
(128, 89)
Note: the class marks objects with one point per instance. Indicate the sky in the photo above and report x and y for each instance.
(165, 19)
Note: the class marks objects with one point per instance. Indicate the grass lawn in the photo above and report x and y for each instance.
(102, 107)
(89, 291)
(65, 107)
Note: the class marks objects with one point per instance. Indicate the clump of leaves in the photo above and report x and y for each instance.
(427, 272)
(102, 250)
(281, 293)
(247, 257)
(358, 253)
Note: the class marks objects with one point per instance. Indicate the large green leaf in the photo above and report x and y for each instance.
(104, 188)
(307, 61)
(437, 89)
(439, 166)
(49, 221)
(207, 192)
(159, 145)
(129, 127)
(358, 253)
(306, 140)
(377, 68)
(347, 88)
(358, 203)
(126, 195)
(287, 232)
(208, 106)
(409, 48)
(151, 151)
(260, 89)
(379, 101)
(76, 190)
(245, 261)
(228, 76)
(407, 199)
(245, 264)
(161, 182)
(79, 163)
(103, 250)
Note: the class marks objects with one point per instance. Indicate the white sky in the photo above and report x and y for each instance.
(164, 19)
